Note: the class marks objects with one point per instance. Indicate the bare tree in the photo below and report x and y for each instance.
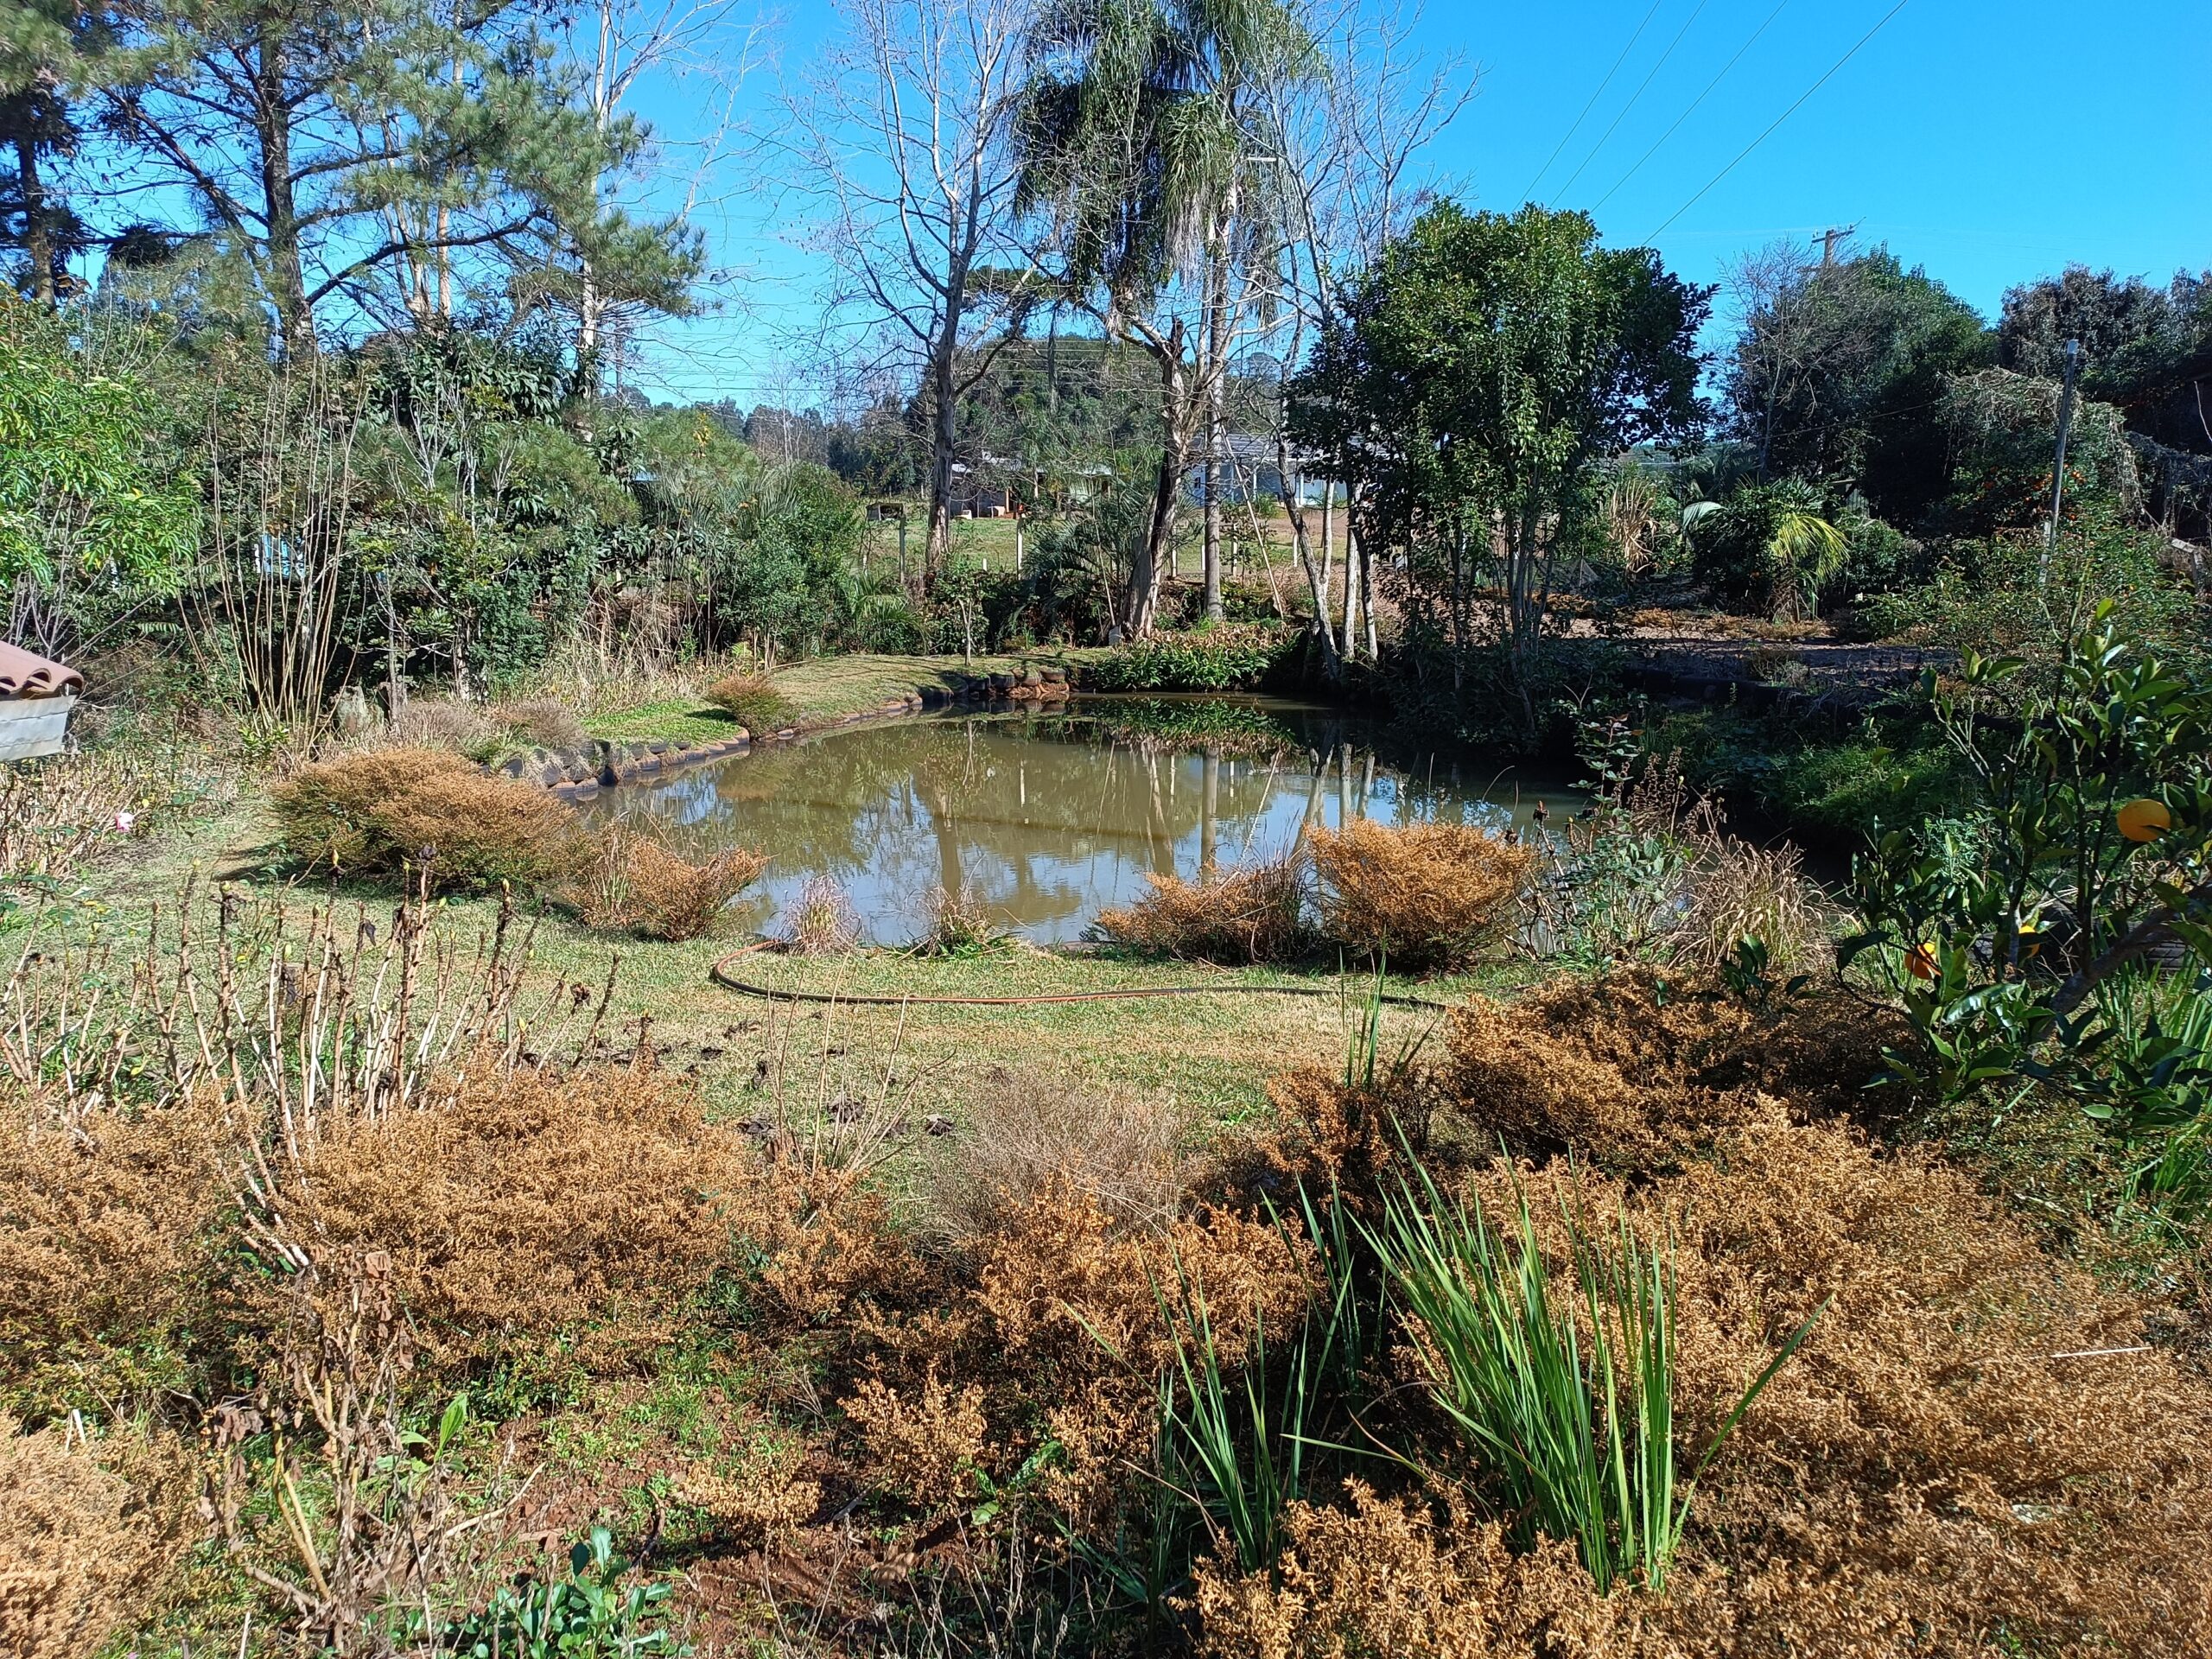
(603, 264)
(1772, 331)
(1347, 176)
(901, 139)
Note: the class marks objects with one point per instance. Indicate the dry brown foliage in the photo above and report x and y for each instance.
(1958, 1454)
(634, 884)
(441, 723)
(1254, 914)
(1387, 1579)
(754, 701)
(821, 921)
(532, 1205)
(86, 1535)
(1028, 1131)
(924, 1447)
(544, 722)
(389, 809)
(1635, 1073)
(1428, 895)
(104, 1235)
(764, 1504)
(1072, 1324)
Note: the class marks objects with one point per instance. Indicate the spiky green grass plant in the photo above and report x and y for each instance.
(1574, 1417)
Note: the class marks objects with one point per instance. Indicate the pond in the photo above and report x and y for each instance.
(1049, 817)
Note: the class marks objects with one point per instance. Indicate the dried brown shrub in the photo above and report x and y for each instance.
(86, 1535)
(534, 1206)
(1070, 1296)
(544, 722)
(634, 884)
(764, 1504)
(753, 703)
(104, 1236)
(1386, 1578)
(1635, 1072)
(923, 1447)
(1930, 1469)
(1428, 895)
(441, 723)
(1254, 914)
(377, 813)
(821, 921)
(1026, 1132)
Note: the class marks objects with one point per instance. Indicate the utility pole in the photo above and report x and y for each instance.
(2058, 461)
(1829, 238)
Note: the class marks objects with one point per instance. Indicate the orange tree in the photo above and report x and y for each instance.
(2059, 928)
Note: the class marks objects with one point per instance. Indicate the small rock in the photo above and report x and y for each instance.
(938, 1123)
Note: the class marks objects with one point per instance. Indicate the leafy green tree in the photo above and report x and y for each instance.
(2145, 351)
(333, 147)
(49, 52)
(2058, 930)
(1836, 367)
(1476, 380)
(94, 518)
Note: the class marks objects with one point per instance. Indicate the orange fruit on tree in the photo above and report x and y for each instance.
(1920, 962)
(2145, 820)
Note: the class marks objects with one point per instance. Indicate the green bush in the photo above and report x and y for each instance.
(2033, 938)
(753, 703)
(1770, 549)
(1232, 658)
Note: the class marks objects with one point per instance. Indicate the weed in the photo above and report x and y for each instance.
(754, 701)
(1582, 1444)
(821, 921)
(1254, 914)
(961, 926)
(1428, 895)
(589, 1612)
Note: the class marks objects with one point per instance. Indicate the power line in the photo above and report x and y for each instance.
(1779, 119)
(1693, 108)
(1594, 96)
(1632, 97)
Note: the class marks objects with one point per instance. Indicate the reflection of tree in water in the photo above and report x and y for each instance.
(1046, 818)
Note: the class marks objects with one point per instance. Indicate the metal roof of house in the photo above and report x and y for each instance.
(24, 674)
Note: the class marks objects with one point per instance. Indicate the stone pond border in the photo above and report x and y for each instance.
(580, 773)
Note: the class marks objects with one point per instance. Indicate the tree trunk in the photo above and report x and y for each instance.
(1317, 581)
(937, 544)
(1351, 606)
(272, 120)
(1142, 608)
(1217, 380)
(38, 232)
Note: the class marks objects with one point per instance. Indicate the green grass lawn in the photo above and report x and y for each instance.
(825, 689)
(1213, 1055)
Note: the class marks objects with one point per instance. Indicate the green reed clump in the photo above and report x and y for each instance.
(1574, 1417)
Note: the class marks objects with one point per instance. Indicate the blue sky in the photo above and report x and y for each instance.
(1991, 143)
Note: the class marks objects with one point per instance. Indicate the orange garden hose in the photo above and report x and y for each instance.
(720, 974)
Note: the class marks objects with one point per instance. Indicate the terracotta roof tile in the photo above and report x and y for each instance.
(23, 674)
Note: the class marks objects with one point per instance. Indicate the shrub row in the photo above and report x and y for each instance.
(428, 816)
(1234, 658)
(1420, 896)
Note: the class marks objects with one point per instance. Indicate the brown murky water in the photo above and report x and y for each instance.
(1050, 818)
